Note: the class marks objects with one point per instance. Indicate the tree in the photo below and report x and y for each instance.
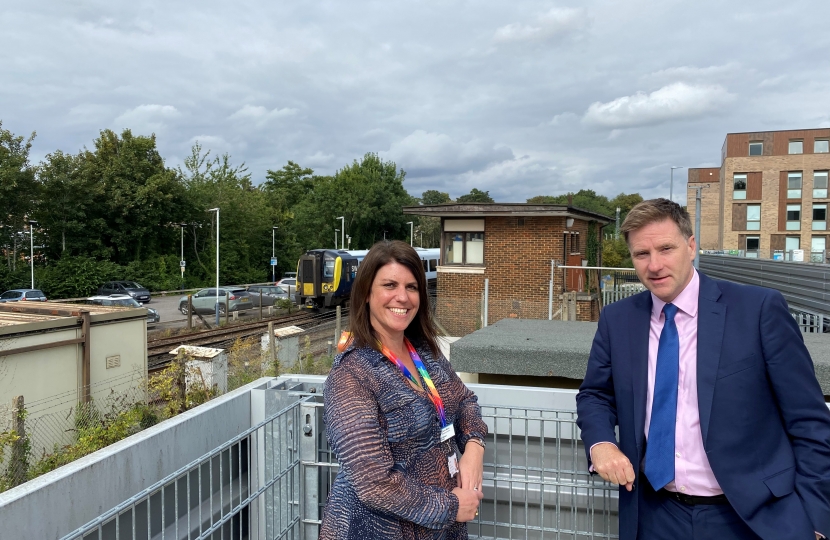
(18, 192)
(433, 196)
(476, 196)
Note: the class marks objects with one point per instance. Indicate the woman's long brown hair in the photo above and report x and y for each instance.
(421, 330)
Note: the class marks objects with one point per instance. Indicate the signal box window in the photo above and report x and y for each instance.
(739, 184)
(821, 146)
(756, 149)
(794, 185)
(820, 185)
(796, 147)
(464, 248)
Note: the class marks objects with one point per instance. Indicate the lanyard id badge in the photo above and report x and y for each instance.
(447, 432)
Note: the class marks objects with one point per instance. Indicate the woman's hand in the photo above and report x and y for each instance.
(471, 467)
(468, 500)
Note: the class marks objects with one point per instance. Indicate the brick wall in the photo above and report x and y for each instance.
(710, 210)
(517, 261)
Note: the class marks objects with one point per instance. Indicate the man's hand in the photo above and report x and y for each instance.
(612, 465)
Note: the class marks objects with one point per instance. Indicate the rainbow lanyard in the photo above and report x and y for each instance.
(422, 371)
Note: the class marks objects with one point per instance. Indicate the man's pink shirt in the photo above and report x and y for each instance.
(693, 475)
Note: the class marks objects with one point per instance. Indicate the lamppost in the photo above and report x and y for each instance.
(32, 224)
(273, 253)
(342, 231)
(411, 233)
(335, 237)
(217, 263)
(348, 242)
(671, 186)
(181, 261)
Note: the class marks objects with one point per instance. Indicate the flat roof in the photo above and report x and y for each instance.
(775, 131)
(468, 210)
(561, 349)
(25, 316)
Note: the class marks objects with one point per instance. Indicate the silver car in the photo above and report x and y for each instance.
(230, 299)
(270, 294)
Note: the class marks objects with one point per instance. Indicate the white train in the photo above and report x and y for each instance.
(429, 256)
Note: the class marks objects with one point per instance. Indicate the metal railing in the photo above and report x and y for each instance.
(272, 481)
(792, 255)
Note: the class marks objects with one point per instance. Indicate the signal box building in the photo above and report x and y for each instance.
(769, 196)
(512, 246)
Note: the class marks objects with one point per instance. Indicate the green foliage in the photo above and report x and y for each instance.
(476, 196)
(588, 199)
(432, 196)
(74, 277)
(615, 254)
(17, 190)
(592, 244)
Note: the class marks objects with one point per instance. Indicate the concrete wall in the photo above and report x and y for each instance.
(59, 502)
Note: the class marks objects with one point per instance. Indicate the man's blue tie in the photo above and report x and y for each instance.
(659, 462)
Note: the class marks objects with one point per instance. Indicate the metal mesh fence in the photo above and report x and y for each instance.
(272, 481)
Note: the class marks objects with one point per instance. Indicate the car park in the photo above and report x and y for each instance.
(289, 284)
(124, 300)
(270, 294)
(15, 295)
(131, 288)
(230, 299)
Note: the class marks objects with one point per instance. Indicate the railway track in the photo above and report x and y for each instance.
(158, 350)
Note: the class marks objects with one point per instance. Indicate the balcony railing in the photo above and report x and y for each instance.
(271, 481)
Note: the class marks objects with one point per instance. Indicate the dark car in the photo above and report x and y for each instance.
(270, 294)
(131, 288)
(15, 295)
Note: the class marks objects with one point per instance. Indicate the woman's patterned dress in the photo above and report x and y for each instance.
(393, 481)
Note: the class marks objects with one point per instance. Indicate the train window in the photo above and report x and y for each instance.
(328, 269)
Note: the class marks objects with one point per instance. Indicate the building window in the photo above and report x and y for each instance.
(464, 248)
(818, 245)
(821, 146)
(753, 246)
(794, 185)
(796, 147)
(753, 217)
(820, 185)
(819, 217)
(739, 185)
(794, 217)
(756, 148)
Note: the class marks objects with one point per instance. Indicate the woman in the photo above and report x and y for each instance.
(397, 416)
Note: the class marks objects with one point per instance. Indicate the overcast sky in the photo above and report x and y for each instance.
(520, 98)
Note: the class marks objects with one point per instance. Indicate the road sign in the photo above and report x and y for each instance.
(182, 264)
(273, 261)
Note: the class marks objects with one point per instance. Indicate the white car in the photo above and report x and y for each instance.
(289, 284)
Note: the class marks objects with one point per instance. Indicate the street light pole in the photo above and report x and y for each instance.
(273, 253)
(342, 231)
(32, 249)
(411, 233)
(217, 263)
(671, 186)
(181, 261)
(335, 237)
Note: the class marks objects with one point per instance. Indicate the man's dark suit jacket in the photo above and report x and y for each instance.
(765, 426)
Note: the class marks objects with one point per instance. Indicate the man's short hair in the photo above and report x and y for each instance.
(656, 210)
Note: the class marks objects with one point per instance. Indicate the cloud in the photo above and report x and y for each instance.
(260, 115)
(673, 102)
(556, 23)
(425, 154)
(147, 119)
(694, 74)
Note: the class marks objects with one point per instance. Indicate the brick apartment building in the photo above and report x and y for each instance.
(769, 195)
(512, 246)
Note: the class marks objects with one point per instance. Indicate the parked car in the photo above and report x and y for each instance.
(270, 294)
(15, 295)
(230, 298)
(289, 284)
(131, 288)
(124, 300)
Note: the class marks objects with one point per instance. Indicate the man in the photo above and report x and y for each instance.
(723, 429)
